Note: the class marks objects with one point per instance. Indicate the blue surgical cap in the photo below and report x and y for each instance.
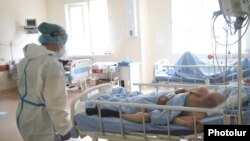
(52, 34)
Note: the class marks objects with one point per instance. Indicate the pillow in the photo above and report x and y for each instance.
(231, 94)
(232, 102)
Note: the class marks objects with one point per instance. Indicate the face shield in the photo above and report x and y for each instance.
(61, 50)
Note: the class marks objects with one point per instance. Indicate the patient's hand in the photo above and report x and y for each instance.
(182, 90)
(189, 122)
(137, 117)
(163, 100)
(199, 125)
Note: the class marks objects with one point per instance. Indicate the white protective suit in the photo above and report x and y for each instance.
(41, 113)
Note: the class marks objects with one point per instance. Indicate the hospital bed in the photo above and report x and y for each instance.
(119, 129)
(191, 69)
(77, 72)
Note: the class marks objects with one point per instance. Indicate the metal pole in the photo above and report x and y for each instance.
(195, 126)
(239, 80)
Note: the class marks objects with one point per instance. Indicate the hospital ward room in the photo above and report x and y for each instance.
(113, 70)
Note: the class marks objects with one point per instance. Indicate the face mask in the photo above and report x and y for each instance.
(60, 52)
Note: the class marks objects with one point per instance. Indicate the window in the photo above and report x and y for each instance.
(191, 26)
(88, 28)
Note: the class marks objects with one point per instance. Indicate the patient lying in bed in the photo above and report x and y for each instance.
(197, 97)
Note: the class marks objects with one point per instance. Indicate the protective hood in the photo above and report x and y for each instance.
(32, 51)
(52, 34)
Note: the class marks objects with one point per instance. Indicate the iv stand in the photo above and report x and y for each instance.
(239, 76)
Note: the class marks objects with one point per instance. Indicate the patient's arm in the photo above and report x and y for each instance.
(137, 117)
(202, 91)
(183, 121)
(163, 100)
(189, 121)
(183, 90)
(199, 115)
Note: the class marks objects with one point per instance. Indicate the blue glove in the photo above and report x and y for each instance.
(74, 133)
(65, 137)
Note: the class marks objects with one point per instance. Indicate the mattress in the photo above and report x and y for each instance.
(112, 125)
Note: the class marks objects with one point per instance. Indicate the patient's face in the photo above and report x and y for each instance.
(213, 99)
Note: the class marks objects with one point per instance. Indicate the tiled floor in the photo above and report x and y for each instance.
(8, 104)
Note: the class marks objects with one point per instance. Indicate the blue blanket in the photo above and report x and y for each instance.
(158, 117)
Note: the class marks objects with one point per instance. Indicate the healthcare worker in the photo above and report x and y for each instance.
(41, 113)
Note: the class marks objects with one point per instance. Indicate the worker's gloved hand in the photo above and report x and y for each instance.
(66, 136)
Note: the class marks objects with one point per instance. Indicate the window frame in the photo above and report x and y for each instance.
(88, 32)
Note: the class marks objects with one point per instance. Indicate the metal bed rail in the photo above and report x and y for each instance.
(90, 93)
(148, 106)
(157, 86)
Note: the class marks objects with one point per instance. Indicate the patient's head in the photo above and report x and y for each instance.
(201, 91)
(213, 99)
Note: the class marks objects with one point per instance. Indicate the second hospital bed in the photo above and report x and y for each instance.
(117, 128)
(191, 69)
(77, 72)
